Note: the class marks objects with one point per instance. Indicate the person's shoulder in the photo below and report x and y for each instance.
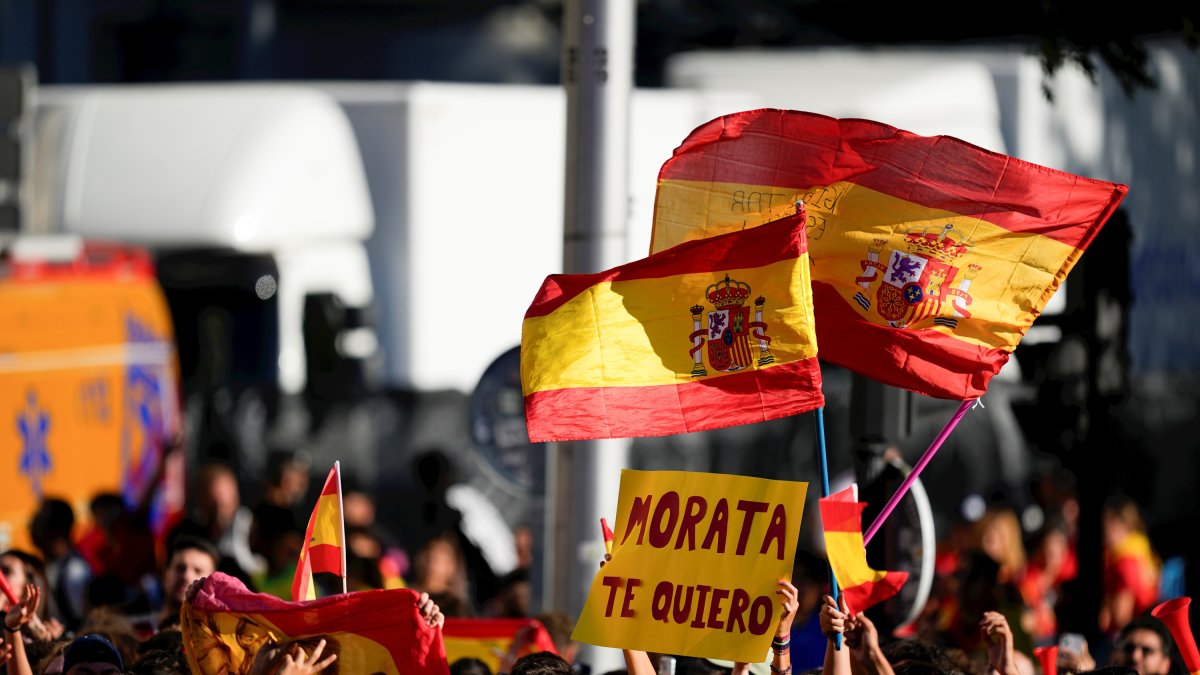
(75, 565)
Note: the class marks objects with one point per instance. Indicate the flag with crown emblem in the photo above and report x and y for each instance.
(931, 257)
(710, 334)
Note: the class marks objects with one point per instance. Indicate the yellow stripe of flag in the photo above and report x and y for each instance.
(637, 318)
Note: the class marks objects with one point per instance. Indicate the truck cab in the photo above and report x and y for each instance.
(254, 204)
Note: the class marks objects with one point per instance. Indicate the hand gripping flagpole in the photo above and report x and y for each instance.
(833, 584)
(916, 471)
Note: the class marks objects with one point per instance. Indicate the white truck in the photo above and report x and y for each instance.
(254, 201)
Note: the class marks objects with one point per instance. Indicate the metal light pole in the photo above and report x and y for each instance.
(584, 476)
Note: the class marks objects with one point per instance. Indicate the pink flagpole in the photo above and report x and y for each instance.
(912, 475)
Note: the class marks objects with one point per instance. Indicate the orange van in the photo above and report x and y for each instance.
(88, 382)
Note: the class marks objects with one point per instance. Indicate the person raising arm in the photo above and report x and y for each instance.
(863, 640)
(833, 623)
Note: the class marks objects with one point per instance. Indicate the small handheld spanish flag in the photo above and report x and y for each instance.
(841, 518)
(608, 536)
(324, 541)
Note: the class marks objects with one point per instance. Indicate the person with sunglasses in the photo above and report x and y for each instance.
(1144, 644)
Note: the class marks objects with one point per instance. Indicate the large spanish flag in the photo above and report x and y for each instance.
(489, 640)
(931, 256)
(841, 518)
(324, 547)
(225, 625)
(709, 334)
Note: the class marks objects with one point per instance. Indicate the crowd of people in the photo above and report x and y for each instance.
(104, 596)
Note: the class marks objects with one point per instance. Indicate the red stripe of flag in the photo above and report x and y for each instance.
(325, 558)
(876, 156)
(945, 366)
(743, 398)
(838, 515)
(757, 247)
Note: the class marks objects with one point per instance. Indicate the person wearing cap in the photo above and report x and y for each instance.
(92, 654)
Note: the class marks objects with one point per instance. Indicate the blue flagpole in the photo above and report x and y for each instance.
(833, 585)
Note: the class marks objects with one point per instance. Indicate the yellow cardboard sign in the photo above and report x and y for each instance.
(695, 561)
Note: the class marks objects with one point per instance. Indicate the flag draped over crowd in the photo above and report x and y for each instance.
(710, 334)
(324, 539)
(931, 257)
(841, 519)
(490, 640)
(225, 625)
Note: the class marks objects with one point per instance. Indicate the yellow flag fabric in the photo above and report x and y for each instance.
(708, 335)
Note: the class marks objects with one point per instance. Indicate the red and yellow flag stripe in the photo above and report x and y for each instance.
(841, 519)
(988, 237)
(489, 640)
(625, 352)
(225, 625)
(323, 544)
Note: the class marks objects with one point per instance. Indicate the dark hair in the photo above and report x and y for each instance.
(1152, 624)
(693, 665)
(106, 508)
(115, 627)
(559, 627)
(40, 653)
(916, 668)
(541, 663)
(279, 462)
(185, 541)
(54, 517)
(160, 663)
(469, 666)
(163, 641)
(1111, 670)
(170, 622)
(918, 657)
(696, 665)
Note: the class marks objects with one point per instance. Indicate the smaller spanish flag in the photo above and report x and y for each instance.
(324, 541)
(841, 518)
(709, 334)
(490, 640)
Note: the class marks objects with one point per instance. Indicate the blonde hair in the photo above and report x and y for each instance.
(1012, 558)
